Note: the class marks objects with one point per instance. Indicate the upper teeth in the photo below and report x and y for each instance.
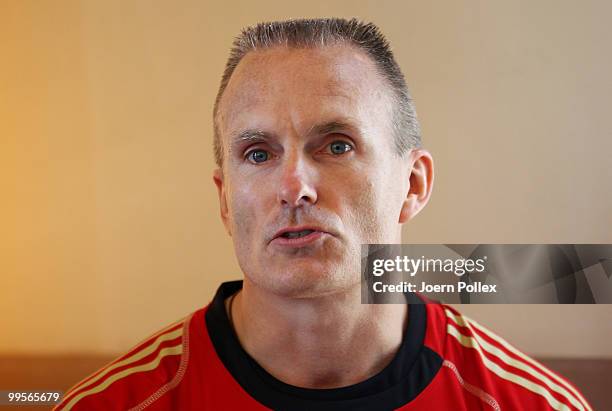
(296, 234)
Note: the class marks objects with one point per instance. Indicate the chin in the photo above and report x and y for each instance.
(306, 281)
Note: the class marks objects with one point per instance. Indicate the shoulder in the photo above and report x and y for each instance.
(487, 365)
(145, 372)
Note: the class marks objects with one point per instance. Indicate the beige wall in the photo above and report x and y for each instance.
(108, 214)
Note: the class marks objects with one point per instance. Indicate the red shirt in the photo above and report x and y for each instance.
(446, 362)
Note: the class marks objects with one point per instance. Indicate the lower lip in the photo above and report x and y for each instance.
(300, 241)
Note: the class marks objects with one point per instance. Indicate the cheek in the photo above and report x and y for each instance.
(250, 206)
(378, 206)
(242, 211)
(363, 206)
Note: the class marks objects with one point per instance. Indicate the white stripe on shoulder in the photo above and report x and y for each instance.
(160, 337)
(164, 352)
(178, 377)
(470, 342)
(539, 372)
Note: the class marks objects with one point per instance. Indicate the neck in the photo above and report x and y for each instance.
(330, 341)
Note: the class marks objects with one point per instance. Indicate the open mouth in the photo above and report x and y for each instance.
(296, 234)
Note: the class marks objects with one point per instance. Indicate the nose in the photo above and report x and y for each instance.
(296, 186)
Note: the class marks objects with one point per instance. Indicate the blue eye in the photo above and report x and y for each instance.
(258, 156)
(340, 147)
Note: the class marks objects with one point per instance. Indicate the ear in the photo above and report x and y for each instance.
(420, 184)
(219, 182)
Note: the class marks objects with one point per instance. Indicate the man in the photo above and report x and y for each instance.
(318, 149)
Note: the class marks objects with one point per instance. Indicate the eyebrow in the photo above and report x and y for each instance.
(250, 135)
(254, 135)
(330, 127)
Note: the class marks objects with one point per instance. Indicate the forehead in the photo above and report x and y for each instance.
(303, 86)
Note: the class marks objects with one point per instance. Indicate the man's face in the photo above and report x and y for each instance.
(309, 171)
